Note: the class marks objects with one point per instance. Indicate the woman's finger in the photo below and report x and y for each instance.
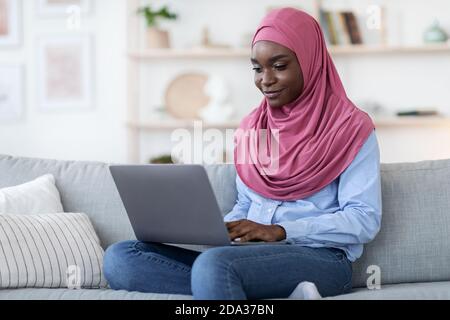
(232, 224)
(239, 231)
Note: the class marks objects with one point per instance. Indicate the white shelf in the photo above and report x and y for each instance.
(245, 52)
(189, 53)
(404, 121)
(177, 124)
(382, 49)
(412, 121)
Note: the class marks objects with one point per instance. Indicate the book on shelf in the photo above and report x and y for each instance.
(353, 27)
(418, 112)
(340, 27)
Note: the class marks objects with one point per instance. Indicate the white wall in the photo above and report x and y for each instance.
(96, 134)
(395, 80)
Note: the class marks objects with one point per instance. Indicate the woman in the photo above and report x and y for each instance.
(320, 190)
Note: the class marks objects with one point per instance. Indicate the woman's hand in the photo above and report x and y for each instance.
(248, 230)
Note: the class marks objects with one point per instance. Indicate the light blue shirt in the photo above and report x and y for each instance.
(345, 214)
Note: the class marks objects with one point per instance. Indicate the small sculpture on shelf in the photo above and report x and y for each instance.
(207, 43)
(157, 38)
(218, 109)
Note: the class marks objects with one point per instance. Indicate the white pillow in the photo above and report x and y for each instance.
(34, 197)
(49, 251)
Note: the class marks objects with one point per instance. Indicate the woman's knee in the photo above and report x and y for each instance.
(212, 259)
(211, 264)
(116, 260)
(117, 251)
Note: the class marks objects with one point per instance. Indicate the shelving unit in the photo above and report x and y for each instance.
(137, 57)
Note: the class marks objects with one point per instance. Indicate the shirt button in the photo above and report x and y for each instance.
(269, 211)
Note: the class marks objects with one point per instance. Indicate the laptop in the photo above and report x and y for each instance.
(172, 203)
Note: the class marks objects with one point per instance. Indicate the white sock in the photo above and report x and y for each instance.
(305, 291)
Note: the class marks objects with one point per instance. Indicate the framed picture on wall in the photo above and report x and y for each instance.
(52, 8)
(11, 92)
(10, 22)
(64, 75)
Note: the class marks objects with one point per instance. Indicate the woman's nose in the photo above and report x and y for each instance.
(268, 79)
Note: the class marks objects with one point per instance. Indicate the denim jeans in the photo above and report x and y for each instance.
(222, 273)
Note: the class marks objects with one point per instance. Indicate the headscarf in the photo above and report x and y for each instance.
(311, 140)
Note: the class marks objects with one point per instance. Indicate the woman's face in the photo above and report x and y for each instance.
(277, 73)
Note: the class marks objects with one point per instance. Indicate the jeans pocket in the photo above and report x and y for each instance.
(340, 254)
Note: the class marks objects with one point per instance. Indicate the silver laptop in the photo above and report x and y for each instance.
(172, 203)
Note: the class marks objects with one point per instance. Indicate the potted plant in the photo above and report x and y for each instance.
(162, 159)
(157, 38)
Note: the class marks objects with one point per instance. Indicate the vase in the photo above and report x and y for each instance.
(435, 33)
(157, 38)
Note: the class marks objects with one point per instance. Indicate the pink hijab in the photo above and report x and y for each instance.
(312, 139)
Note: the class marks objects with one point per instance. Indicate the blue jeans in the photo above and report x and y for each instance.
(222, 273)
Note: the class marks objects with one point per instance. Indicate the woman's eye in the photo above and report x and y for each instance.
(257, 69)
(280, 67)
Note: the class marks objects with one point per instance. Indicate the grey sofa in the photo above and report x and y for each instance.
(412, 250)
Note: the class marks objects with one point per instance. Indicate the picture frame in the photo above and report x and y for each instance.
(11, 92)
(58, 8)
(10, 22)
(64, 72)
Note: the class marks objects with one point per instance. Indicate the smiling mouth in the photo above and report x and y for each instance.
(273, 94)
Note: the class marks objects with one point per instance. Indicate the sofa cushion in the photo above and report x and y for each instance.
(413, 243)
(34, 197)
(84, 187)
(49, 251)
(223, 183)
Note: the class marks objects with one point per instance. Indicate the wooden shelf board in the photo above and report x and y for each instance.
(176, 124)
(412, 121)
(365, 49)
(379, 122)
(245, 52)
(189, 53)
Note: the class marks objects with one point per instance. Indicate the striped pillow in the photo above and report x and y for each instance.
(49, 251)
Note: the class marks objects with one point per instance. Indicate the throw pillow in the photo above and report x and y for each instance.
(49, 251)
(34, 197)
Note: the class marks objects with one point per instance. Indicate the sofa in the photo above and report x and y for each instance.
(409, 258)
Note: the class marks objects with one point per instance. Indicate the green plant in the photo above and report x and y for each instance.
(152, 16)
(163, 159)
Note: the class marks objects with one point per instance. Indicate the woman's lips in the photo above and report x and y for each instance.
(273, 94)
